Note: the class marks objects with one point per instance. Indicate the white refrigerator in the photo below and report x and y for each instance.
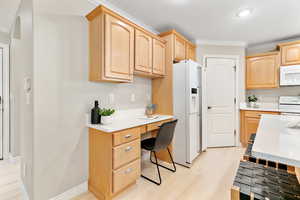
(187, 109)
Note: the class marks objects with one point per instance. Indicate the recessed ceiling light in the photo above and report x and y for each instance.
(179, 2)
(244, 13)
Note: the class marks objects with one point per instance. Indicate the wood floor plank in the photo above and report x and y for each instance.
(10, 182)
(210, 178)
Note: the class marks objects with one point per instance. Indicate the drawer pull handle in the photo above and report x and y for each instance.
(127, 136)
(128, 149)
(127, 171)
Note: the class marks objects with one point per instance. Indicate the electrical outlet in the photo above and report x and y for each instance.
(132, 98)
(111, 98)
(148, 98)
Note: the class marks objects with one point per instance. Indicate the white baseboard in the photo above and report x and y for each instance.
(73, 192)
(24, 192)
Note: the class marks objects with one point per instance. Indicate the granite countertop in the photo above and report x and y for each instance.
(275, 142)
(129, 122)
(261, 107)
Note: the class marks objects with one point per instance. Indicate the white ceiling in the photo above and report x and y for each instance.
(216, 19)
(203, 20)
(8, 10)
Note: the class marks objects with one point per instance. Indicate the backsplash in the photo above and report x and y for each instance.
(122, 96)
(272, 95)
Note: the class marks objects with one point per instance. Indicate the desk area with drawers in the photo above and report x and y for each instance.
(115, 154)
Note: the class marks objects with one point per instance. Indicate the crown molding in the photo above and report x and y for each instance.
(123, 13)
(221, 43)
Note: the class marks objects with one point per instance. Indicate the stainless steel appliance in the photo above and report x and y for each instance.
(289, 105)
(290, 75)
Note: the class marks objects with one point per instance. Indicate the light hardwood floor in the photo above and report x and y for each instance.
(10, 182)
(210, 178)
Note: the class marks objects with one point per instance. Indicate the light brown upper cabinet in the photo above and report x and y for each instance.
(143, 53)
(182, 49)
(179, 52)
(119, 48)
(190, 51)
(290, 53)
(159, 58)
(262, 71)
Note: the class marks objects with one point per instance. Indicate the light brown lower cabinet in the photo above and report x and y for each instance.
(249, 123)
(115, 159)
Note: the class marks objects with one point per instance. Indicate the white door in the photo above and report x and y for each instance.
(1, 104)
(220, 91)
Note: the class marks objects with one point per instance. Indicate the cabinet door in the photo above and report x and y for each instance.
(119, 49)
(143, 52)
(262, 72)
(290, 54)
(159, 57)
(251, 125)
(190, 52)
(179, 51)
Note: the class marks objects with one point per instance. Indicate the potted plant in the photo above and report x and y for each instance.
(106, 115)
(150, 109)
(252, 100)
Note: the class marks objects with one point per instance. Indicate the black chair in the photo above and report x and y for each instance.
(160, 142)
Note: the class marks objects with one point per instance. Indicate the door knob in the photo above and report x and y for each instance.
(209, 107)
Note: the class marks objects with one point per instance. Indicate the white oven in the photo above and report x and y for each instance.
(289, 105)
(290, 75)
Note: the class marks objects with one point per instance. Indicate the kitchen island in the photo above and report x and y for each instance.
(276, 142)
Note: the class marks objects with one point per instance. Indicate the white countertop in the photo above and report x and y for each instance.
(261, 107)
(129, 122)
(275, 142)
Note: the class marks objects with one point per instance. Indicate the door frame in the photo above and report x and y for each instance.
(237, 94)
(6, 101)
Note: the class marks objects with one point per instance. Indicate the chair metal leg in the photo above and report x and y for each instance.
(157, 166)
(172, 170)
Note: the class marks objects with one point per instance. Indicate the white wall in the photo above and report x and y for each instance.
(4, 38)
(63, 95)
(22, 113)
(203, 50)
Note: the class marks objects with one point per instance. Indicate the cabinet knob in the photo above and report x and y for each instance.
(127, 171)
(127, 136)
(128, 149)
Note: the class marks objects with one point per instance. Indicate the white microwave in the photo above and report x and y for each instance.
(290, 75)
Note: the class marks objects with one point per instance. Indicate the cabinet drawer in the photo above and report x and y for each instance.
(126, 175)
(155, 126)
(126, 153)
(126, 135)
(257, 114)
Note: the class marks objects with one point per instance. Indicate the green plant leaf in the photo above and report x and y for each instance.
(106, 112)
